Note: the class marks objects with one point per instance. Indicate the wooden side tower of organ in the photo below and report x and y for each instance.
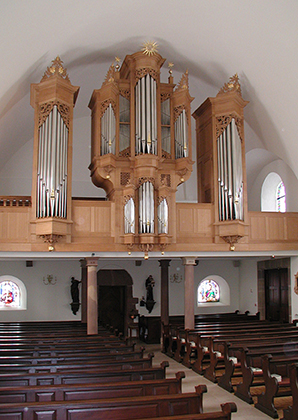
(141, 148)
(53, 100)
(221, 162)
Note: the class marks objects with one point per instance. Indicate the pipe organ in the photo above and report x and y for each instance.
(53, 100)
(141, 146)
(221, 161)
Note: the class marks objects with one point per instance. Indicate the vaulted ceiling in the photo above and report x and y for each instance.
(213, 39)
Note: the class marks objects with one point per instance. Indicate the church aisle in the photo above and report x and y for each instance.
(215, 395)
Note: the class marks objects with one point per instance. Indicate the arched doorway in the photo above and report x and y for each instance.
(115, 300)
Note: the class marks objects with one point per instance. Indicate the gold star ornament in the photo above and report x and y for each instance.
(150, 48)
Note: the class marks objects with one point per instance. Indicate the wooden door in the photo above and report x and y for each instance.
(276, 295)
(111, 306)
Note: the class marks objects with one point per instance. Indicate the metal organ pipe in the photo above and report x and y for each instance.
(162, 216)
(129, 216)
(52, 166)
(181, 139)
(146, 117)
(108, 131)
(146, 208)
(230, 180)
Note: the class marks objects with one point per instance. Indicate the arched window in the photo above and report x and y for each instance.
(273, 195)
(12, 293)
(281, 197)
(208, 291)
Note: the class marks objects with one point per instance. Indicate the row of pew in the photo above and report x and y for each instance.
(55, 371)
(257, 360)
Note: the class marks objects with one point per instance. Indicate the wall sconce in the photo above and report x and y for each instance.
(49, 279)
(175, 278)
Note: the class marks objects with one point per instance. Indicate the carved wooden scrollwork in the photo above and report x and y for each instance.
(165, 179)
(183, 84)
(104, 105)
(223, 121)
(125, 93)
(145, 179)
(164, 96)
(45, 110)
(124, 178)
(55, 69)
(178, 110)
(140, 73)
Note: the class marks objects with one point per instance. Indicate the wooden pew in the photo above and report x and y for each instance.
(88, 364)
(291, 413)
(105, 409)
(225, 414)
(68, 358)
(68, 392)
(82, 376)
(66, 349)
(275, 389)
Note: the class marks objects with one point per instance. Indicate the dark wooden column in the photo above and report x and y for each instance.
(84, 291)
(164, 291)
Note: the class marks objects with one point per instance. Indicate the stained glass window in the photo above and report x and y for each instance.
(9, 294)
(281, 197)
(208, 291)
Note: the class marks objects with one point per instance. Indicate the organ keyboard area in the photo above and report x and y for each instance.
(141, 150)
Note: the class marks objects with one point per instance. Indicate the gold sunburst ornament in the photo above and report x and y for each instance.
(150, 48)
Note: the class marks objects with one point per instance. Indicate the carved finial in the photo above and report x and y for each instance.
(150, 48)
(171, 65)
(233, 85)
(56, 69)
(183, 84)
(110, 76)
(118, 60)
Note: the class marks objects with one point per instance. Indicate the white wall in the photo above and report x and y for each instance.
(248, 285)
(44, 302)
(52, 302)
(290, 182)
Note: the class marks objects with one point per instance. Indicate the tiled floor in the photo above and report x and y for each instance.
(215, 395)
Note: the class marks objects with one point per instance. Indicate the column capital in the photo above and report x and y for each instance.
(164, 263)
(83, 262)
(91, 261)
(189, 261)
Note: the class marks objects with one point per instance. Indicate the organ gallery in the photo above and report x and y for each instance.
(141, 153)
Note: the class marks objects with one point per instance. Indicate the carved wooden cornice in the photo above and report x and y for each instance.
(45, 110)
(56, 69)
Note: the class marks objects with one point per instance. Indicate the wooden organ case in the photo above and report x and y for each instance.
(221, 162)
(141, 148)
(53, 100)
